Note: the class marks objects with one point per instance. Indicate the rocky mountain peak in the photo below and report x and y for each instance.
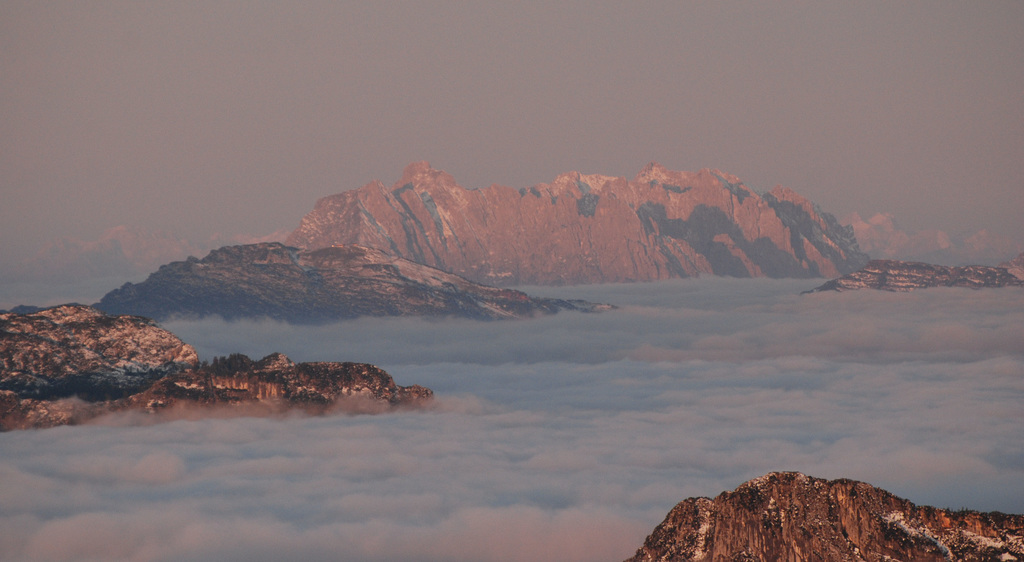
(275, 361)
(652, 171)
(791, 516)
(587, 228)
(422, 175)
(414, 169)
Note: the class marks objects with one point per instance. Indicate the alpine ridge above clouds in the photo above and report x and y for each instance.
(71, 363)
(790, 516)
(335, 283)
(902, 276)
(588, 228)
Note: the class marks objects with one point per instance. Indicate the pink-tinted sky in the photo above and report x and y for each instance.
(234, 117)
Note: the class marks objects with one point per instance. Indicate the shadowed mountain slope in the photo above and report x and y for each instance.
(284, 283)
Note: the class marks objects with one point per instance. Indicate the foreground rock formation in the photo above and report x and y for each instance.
(895, 275)
(284, 283)
(588, 228)
(69, 364)
(793, 517)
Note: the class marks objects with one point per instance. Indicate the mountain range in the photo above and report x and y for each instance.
(312, 286)
(495, 236)
(587, 228)
(793, 517)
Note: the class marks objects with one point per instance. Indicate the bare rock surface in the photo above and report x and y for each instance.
(895, 275)
(77, 350)
(314, 286)
(588, 228)
(793, 517)
(69, 364)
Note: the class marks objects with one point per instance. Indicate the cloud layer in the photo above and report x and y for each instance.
(561, 438)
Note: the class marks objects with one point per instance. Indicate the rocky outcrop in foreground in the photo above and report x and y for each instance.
(588, 228)
(895, 275)
(284, 283)
(793, 517)
(69, 364)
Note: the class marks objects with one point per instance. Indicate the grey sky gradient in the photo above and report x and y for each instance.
(565, 438)
(197, 118)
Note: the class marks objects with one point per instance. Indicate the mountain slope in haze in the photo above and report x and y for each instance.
(901, 276)
(120, 251)
(588, 228)
(280, 282)
(790, 516)
(1015, 266)
(71, 363)
(882, 238)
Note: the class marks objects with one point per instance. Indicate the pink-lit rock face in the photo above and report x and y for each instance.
(587, 228)
(790, 516)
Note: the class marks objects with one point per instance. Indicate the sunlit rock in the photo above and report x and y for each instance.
(790, 516)
(588, 228)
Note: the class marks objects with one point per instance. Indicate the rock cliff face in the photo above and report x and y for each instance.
(588, 228)
(281, 282)
(894, 275)
(77, 350)
(68, 364)
(792, 517)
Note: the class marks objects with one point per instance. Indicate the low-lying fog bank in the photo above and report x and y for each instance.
(561, 438)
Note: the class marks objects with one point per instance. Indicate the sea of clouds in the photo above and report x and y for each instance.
(566, 437)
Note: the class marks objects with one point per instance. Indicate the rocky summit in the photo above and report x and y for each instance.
(76, 350)
(588, 228)
(793, 517)
(314, 286)
(895, 275)
(68, 364)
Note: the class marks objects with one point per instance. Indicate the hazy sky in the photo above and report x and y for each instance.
(566, 438)
(234, 117)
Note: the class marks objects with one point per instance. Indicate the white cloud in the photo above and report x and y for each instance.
(688, 389)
